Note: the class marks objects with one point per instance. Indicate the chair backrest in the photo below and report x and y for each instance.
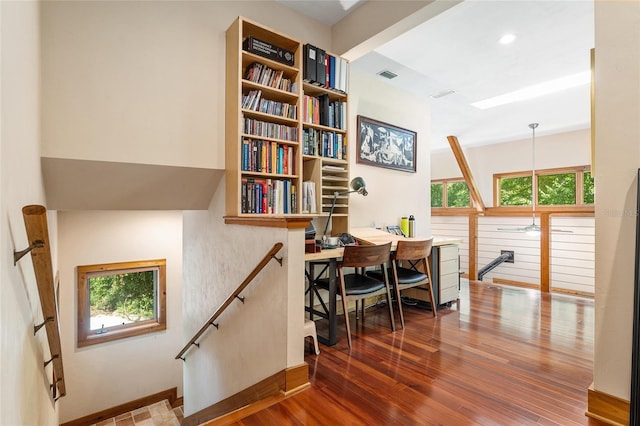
(413, 249)
(364, 255)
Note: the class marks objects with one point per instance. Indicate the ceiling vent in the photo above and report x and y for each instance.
(387, 74)
(443, 94)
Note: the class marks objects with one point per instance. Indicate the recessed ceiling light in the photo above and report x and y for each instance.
(507, 38)
(537, 90)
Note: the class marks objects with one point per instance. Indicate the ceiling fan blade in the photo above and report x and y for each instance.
(521, 229)
(561, 230)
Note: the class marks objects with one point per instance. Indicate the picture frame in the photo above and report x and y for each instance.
(384, 145)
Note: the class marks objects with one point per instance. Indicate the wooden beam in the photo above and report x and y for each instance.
(473, 246)
(466, 172)
(545, 258)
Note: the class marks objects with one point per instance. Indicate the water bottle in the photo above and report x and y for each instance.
(404, 226)
(412, 226)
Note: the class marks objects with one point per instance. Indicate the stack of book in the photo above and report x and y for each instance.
(324, 70)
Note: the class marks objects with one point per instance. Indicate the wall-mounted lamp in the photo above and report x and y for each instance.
(357, 185)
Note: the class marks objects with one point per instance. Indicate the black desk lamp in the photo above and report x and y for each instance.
(357, 185)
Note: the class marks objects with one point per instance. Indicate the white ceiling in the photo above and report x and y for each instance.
(458, 50)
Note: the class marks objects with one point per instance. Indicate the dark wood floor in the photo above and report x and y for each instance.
(505, 356)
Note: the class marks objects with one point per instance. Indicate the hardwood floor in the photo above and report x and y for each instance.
(506, 356)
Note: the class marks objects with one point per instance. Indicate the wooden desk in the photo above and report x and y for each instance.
(328, 259)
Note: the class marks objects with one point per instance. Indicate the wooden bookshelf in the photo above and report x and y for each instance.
(253, 157)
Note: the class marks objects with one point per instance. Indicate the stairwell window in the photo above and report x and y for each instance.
(119, 300)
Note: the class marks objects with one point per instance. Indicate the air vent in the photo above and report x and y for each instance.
(443, 94)
(387, 74)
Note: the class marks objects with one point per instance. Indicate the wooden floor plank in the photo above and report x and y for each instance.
(502, 356)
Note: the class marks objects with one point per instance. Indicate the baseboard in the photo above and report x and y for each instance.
(169, 394)
(254, 398)
(607, 408)
(514, 283)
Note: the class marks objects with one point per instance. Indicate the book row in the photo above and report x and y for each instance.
(268, 196)
(267, 157)
(270, 130)
(262, 74)
(321, 110)
(325, 144)
(323, 69)
(254, 101)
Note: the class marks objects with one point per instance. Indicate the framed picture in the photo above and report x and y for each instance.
(383, 145)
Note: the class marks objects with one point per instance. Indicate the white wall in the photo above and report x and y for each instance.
(24, 384)
(617, 158)
(561, 150)
(392, 194)
(109, 374)
(256, 339)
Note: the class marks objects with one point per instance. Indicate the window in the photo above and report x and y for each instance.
(553, 187)
(118, 300)
(451, 193)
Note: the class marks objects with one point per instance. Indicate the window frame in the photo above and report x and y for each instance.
(445, 183)
(577, 170)
(86, 337)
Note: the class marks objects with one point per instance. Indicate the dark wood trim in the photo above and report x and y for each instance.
(289, 222)
(178, 402)
(466, 172)
(473, 247)
(169, 394)
(545, 255)
(266, 389)
(607, 408)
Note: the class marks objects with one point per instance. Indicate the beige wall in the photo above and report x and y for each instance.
(109, 374)
(560, 150)
(617, 158)
(392, 194)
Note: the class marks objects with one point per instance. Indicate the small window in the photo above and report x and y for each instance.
(458, 194)
(118, 300)
(515, 191)
(588, 188)
(436, 195)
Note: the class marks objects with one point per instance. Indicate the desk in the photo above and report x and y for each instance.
(371, 236)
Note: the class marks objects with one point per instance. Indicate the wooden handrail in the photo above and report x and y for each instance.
(35, 221)
(236, 294)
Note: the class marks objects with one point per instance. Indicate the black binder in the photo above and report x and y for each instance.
(321, 69)
(310, 66)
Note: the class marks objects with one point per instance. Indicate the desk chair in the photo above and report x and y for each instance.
(356, 286)
(405, 269)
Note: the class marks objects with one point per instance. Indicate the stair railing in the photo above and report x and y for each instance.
(35, 221)
(235, 295)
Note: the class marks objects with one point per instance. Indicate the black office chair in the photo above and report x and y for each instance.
(410, 268)
(357, 286)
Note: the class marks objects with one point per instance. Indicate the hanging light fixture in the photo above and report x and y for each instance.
(534, 229)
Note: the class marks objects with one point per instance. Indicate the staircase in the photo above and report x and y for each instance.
(158, 414)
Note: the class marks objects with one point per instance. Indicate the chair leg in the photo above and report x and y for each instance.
(434, 308)
(345, 309)
(397, 289)
(389, 301)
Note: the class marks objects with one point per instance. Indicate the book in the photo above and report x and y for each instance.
(310, 59)
(321, 66)
(268, 50)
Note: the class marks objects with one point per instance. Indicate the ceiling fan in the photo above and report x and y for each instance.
(534, 229)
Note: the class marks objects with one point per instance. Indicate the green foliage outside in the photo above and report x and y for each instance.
(436, 195)
(557, 190)
(129, 295)
(458, 194)
(589, 188)
(515, 191)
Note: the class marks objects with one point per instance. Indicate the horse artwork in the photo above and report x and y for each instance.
(383, 145)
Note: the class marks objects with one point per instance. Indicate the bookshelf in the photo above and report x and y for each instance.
(271, 112)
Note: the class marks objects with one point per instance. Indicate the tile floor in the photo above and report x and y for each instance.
(158, 414)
